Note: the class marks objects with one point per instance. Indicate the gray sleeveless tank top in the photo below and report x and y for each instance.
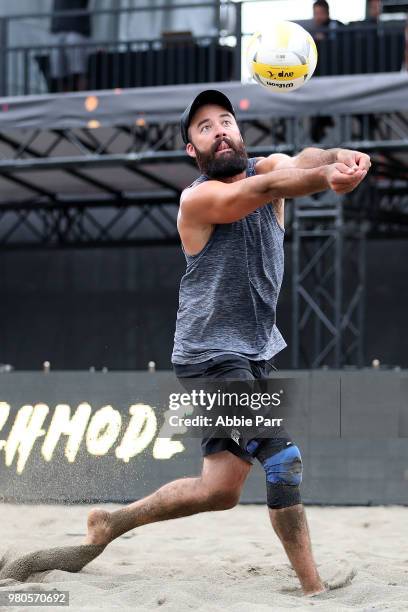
(228, 294)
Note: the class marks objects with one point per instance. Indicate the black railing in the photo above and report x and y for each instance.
(174, 58)
(25, 68)
(132, 64)
(361, 49)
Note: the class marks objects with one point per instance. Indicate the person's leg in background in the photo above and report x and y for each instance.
(77, 58)
(58, 64)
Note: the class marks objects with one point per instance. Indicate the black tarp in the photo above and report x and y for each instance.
(321, 96)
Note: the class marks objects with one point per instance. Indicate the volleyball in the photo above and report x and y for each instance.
(283, 57)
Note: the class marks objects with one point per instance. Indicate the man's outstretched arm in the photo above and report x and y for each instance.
(215, 202)
(312, 157)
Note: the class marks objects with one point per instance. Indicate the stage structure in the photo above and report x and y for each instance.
(327, 322)
(107, 169)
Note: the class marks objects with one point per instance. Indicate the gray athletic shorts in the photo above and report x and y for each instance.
(72, 57)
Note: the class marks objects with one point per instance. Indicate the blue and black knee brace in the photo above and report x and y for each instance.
(282, 463)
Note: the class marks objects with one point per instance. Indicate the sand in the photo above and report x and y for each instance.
(217, 561)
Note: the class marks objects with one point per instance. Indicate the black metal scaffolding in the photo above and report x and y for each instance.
(111, 185)
(327, 320)
(121, 185)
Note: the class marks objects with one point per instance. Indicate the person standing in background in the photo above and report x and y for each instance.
(323, 29)
(374, 11)
(71, 33)
(323, 26)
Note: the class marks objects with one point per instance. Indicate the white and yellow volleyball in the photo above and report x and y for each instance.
(283, 57)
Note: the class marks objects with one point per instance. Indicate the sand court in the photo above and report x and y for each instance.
(228, 560)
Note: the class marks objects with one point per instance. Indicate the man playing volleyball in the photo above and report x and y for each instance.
(231, 226)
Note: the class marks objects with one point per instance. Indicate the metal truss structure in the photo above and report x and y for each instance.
(74, 191)
(327, 313)
(121, 185)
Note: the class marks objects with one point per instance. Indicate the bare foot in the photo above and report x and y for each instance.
(65, 558)
(338, 575)
(99, 527)
(314, 593)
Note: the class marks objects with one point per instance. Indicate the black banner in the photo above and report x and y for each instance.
(69, 436)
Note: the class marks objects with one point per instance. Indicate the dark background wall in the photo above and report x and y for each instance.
(353, 442)
(117, 307)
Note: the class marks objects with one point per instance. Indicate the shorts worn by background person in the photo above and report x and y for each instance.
(70, 34)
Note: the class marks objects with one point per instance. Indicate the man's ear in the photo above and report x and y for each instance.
(190, 150)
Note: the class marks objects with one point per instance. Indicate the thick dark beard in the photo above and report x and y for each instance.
(226, 165)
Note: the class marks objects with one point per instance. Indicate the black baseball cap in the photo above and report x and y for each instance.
(209, 96)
